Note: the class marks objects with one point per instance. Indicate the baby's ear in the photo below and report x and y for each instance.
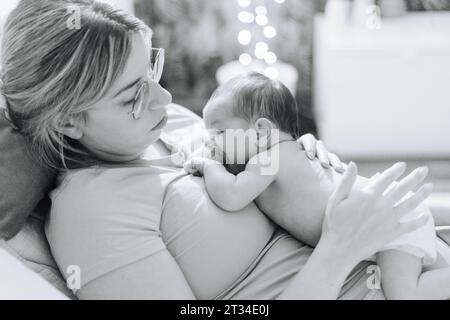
(264, 126)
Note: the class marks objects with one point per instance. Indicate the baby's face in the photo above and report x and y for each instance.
(221, 124)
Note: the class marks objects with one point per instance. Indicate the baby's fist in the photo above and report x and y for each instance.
(196, 165)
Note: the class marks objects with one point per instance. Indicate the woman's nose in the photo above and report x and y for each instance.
(159, 97)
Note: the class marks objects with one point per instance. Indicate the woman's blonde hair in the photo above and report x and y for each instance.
(52, 70)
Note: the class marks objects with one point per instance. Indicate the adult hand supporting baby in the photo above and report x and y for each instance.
(316, 148)
(357, 224)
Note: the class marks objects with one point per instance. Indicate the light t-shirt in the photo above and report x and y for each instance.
(105, 218)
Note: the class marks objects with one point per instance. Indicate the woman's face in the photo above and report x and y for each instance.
(109, 131)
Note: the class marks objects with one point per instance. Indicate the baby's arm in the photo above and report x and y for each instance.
(230, 192)
(402, 277)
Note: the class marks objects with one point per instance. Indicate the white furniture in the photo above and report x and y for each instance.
(384, 93)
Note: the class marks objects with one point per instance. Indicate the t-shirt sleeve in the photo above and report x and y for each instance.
(97, 226)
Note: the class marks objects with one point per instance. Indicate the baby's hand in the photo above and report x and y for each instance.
(196, 165)
(212, 151)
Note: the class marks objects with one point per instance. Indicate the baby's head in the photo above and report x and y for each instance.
(252, 102)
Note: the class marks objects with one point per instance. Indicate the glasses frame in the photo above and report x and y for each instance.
(154, 75)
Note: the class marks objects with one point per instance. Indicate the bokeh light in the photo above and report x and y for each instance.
(261, 10)
(270, 58)
(244, 3)
(272, 73)
(244, 37)
(261, 49)
(270, 32)
(246, 17)
(245, 59)
(261, 20)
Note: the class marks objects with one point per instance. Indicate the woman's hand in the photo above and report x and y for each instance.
(315, 148)
(357, 224)
(362, 222)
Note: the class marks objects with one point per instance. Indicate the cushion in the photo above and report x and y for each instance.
(23, 181)
(20, 283)
(31, 248)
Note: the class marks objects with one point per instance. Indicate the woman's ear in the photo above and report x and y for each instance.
(71, 128)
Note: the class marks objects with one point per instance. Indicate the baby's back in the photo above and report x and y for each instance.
(298, 198)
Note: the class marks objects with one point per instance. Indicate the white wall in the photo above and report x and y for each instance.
(384, 93)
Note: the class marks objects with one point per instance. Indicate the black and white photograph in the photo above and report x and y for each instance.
(236, 151)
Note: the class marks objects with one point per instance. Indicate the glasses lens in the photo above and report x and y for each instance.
(139, 104)
(156, 64)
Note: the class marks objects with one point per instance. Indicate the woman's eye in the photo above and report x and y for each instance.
(129, 102)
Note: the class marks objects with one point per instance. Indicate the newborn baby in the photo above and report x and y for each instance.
(253, 123)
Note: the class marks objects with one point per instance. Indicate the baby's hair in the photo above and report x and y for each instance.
(256, 96)
(51, 72)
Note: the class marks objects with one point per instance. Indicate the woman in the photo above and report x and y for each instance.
(90, 101)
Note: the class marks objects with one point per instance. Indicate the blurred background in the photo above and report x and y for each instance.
(372, 77)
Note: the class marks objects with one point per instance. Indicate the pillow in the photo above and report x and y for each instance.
(30, 247)
(20, 283)
(23, 182)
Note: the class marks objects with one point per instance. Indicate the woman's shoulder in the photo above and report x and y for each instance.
(83, 194)
(100, 221)
(107, 180)
(102, 196)
(86, 180)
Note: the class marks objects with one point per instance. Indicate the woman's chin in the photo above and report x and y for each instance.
(153, 136)
(160, 125)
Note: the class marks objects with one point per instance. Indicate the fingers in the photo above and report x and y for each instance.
(385, 179)
(189, 167)
(406, 185)
(315, 148)
(322, 154)
(345, 187)
(376, 175)
(309, 144)
(414, 200)
(193, 166)
(336, 163)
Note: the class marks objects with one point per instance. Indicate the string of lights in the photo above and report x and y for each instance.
(255, 33)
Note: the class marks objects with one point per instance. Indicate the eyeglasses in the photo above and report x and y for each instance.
(154, 75)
